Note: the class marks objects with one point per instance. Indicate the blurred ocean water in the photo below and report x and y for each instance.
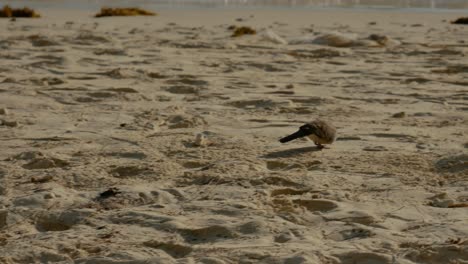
(425, 5)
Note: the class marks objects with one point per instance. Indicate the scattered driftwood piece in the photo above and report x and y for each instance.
(461, 20)
(7, 11)
(131, 11)
(458, 205)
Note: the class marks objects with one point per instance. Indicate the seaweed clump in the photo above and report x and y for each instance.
(131, 11)
(240, 31)
(461, 20)
(7, 11)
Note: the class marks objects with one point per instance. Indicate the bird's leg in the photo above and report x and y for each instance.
(320, 146)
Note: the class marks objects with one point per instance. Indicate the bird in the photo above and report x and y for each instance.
(319, 131)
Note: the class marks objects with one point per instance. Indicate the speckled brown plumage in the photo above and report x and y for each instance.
(319, 131)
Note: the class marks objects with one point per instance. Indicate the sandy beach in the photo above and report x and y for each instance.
(155, 139)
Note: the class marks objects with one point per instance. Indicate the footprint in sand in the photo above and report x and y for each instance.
(351, 234)
(254, 228)
(276, 180)
(92, 61)
(182, 89)
(183, 121)
(364, 257)
(265, 67)
(126, 155)
(89, 39)
(60, 220)
(131, 196)
(121, 73)
(449, 252)
(46, 81)
(210, 260)
(260, 103)
(174, 249)
(288, 191)
(129, 171)
(278, 165)
(42, 41)
(3, 183)
(188, 80)
(316, 54)
(208, 234)
(101, 95)
(111, 52)
(195, 164)
(453, 164)
(49, 61)
(360, 217)
(314, 205)
(402, 137)
(122, 90)
(45, 163)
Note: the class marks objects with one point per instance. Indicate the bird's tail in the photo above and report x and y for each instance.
(300, 133)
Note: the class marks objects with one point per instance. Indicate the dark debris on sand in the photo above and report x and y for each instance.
(240, 31)
(461, 20)
(131, 11)
(109, 193)
(7, 11)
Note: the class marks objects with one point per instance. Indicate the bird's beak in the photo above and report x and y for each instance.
(300, 133)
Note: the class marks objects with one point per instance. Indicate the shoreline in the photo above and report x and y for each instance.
(318, 17)
(73, 6)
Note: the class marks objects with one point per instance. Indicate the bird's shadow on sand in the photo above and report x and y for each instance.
(290, 152)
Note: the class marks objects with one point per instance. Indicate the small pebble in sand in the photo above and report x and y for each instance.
(283, 238)
(201, 140)
(109, 193)
(244, 30)
(3, 111)
(49, 196)
(421, 146)
(399, 115)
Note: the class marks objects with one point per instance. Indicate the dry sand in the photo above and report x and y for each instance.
(155, 139)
